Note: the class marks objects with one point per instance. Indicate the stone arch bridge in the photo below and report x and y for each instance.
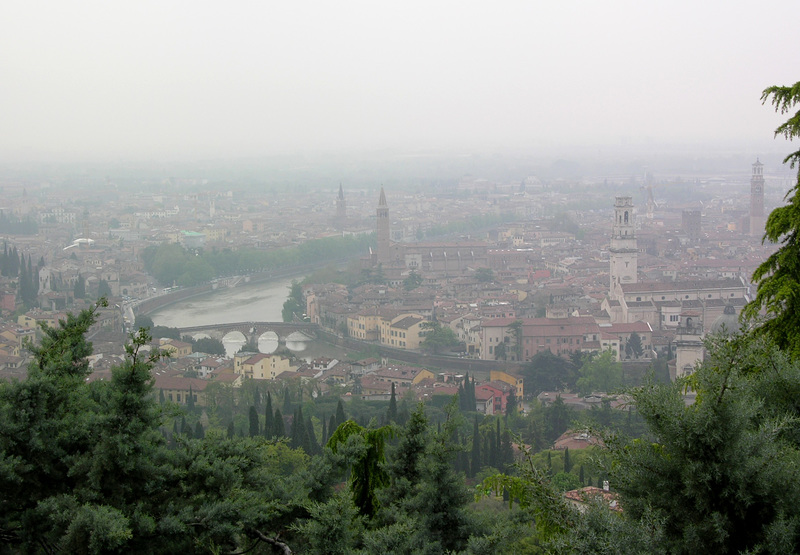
(252, 331)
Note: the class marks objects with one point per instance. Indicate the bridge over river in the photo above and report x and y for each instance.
(276, 333)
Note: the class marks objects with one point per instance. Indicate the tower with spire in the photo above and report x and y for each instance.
(341, 208)
(757, 220)
(383, 230)
(623, 251)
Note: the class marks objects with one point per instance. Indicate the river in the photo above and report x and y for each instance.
(256, 302)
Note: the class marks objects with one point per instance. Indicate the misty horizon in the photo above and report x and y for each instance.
(99, 82)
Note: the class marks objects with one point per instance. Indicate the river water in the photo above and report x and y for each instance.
(258, 302)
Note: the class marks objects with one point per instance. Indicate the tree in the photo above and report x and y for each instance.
(295, 304)
(515, 333)
(722, 473)
(601, 373)
(413, 281)
(548, 372)
(143, 321)
(778, 277)
(103, 289)
(368, 473)
(437, 337)
(635, 342)
(391, 413)
(484, 275)
(253, 419)
(79, 291)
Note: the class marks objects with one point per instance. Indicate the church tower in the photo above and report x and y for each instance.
(757, 220)
(384, 237)
(623, 252)
(341, 209)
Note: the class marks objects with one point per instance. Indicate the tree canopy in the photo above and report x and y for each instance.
(778, 277)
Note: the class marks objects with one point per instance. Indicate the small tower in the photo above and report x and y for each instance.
(757, 220)
(341, 208)
(623, 252)
(383, 230)
(688, 344)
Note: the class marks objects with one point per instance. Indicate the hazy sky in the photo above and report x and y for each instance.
(197, 78)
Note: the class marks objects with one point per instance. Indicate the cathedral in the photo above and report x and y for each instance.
(450, 258)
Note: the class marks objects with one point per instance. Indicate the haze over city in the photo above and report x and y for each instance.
(184, 81)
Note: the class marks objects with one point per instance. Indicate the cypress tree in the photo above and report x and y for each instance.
(476, 450)
(257, 399)
(331, 426)
(287, 400)
(280, 428)
(340, 417)
(313, 444)
(581, 476)
(324, 430)
(253, 414)
(269, 420)
(161, 399)
(231, 430)
(183, 425)
(190, 400)
(487, 456)
(391, 414)
(567, 462)
(199, 433)
(295, 437)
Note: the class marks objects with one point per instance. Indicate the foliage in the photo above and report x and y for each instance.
(368, 474)
(548, 372)
(413, 281)
(437, 337)
(600, 373)
(722, 473)
(778, 277)
(295, 305)
(484, 275)
(207, 345)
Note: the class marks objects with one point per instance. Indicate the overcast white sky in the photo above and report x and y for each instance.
(227, 79)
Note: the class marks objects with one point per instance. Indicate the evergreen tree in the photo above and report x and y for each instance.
(253, 418)
(79, 291)
(332, 425)
(287, 400)
(778, 277)
(391, 414)
(324, 430)
(313, 444)
(161, 398)
(231, 430)
(475, 465)
(567, 462)
(190, 400)
(340, 417)
(269, 419)
(199, 433)
(280, 428)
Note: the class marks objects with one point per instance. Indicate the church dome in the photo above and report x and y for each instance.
(727, 323)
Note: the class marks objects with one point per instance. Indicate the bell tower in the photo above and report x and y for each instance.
(384, 237)
(623, 252)
(757, 220)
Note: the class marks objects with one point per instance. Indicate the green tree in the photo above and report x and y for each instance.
(437, 337)
(103, 289)
(295, 304)
(143, 321)
(548, 372)
(778, 277)
(601, 373)
(413, 281)
(635, 343)
(79, 291)
(484, 275)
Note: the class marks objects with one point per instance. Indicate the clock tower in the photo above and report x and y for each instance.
(623, 252)
(757, 219)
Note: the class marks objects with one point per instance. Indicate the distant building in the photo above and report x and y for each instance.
(691, 224)
(623, 251)
(757, 220)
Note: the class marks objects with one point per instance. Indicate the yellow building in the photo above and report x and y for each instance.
(175, 348)
(515, 381)
(262, 366)
(403, 331)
